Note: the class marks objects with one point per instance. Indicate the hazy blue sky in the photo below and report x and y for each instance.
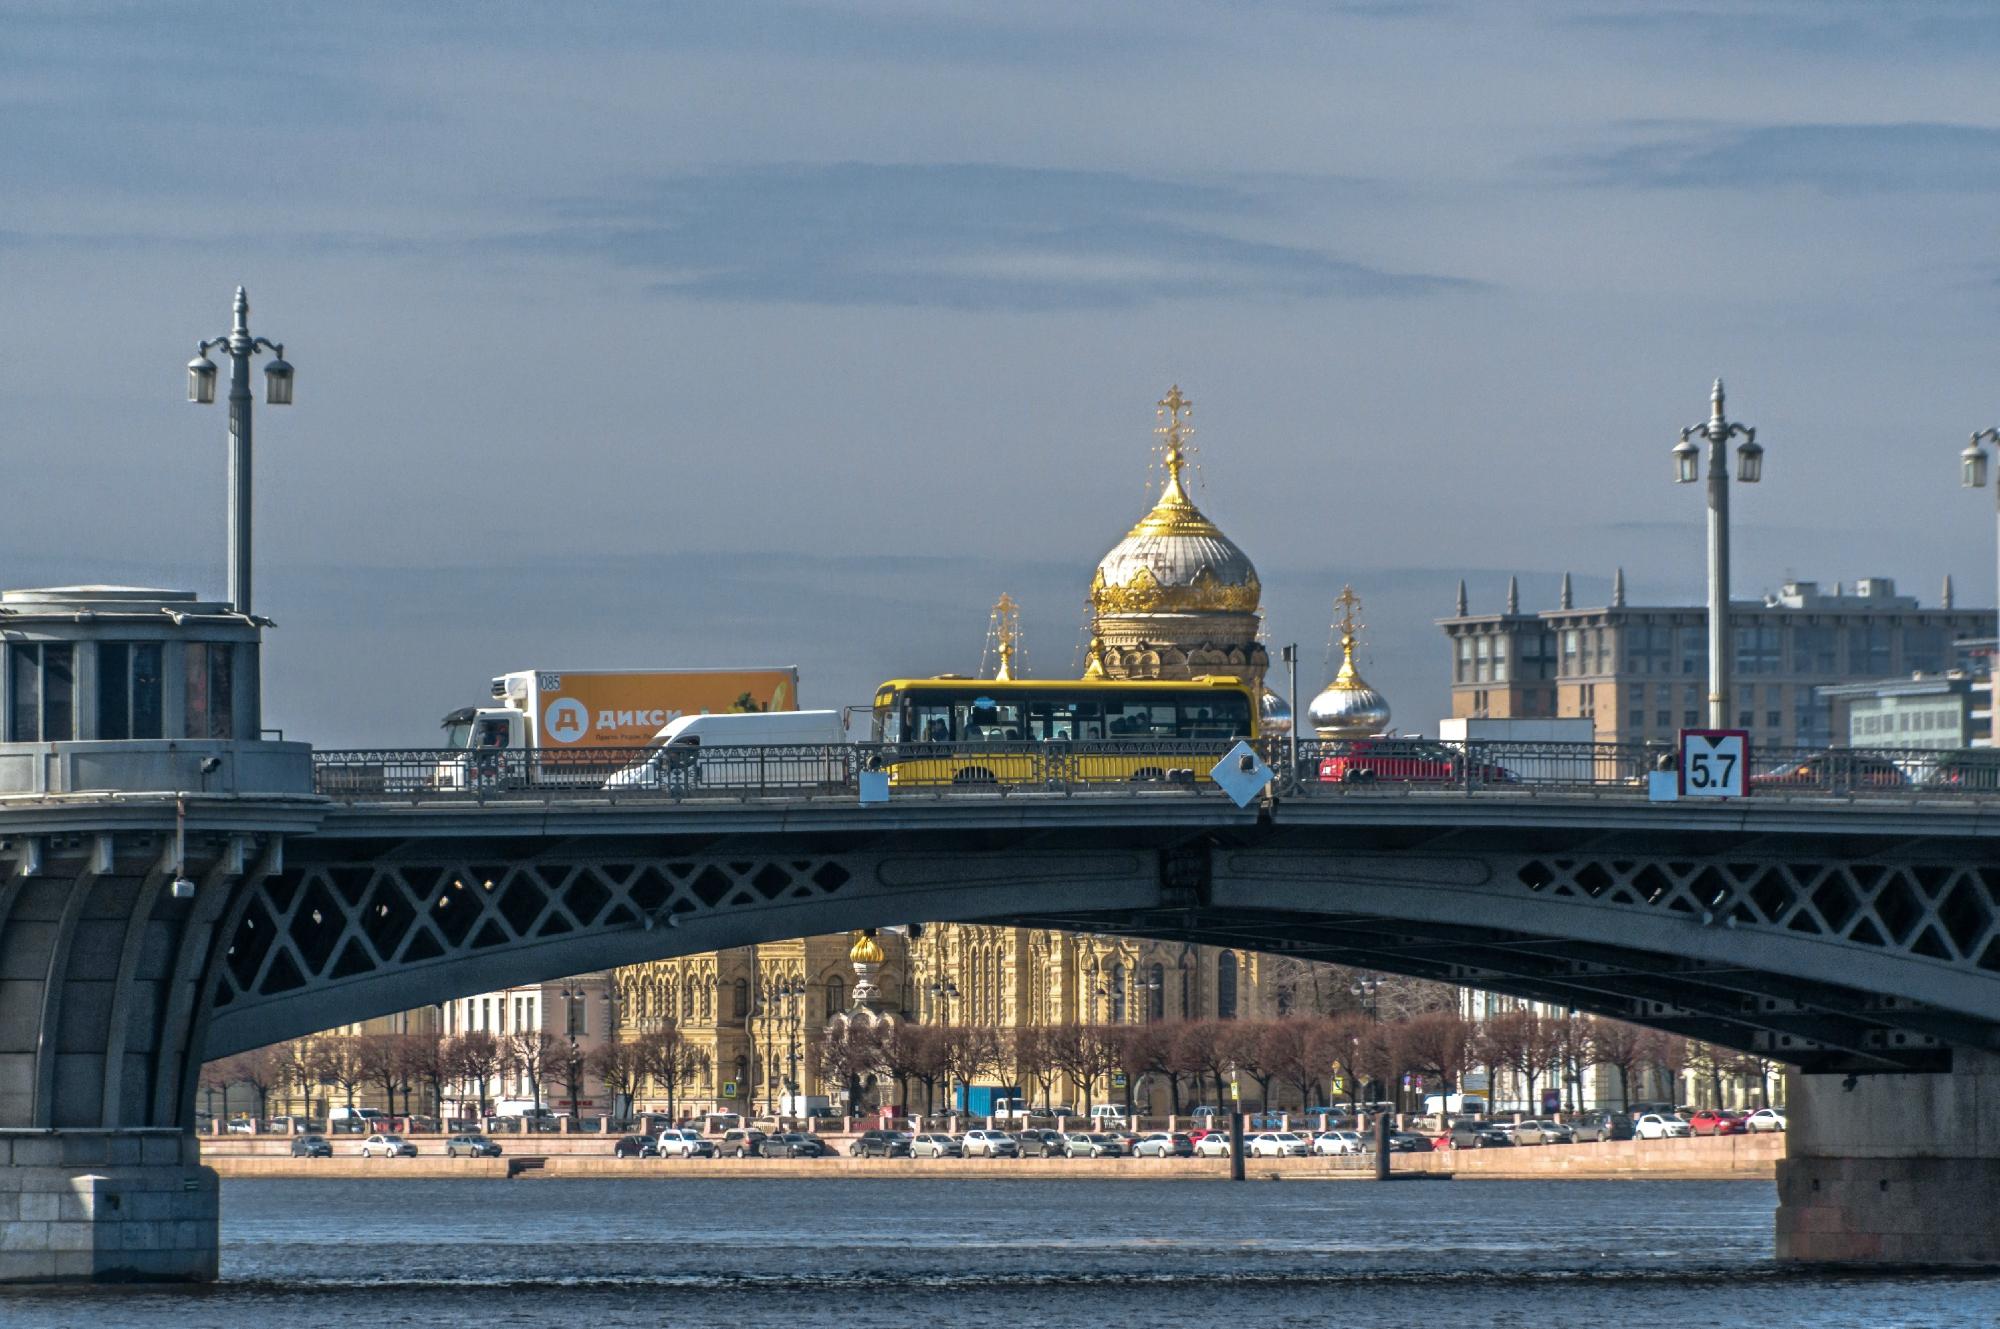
(796, 333)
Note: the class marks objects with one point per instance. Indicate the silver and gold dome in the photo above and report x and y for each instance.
(1348, 707)
(1175, 560)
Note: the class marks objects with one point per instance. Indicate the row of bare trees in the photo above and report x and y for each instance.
(431, 1069)
(1305, 1059)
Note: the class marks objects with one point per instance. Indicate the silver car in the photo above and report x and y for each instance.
(936, 1145)
(387, 1146)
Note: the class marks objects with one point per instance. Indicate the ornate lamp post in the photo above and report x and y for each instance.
(1717, 431)
(240, 346)
(1973, 476)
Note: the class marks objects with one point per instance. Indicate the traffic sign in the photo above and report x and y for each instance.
(729, 1088)
(1241, 774)
(1715, 763)
(1118, 1079)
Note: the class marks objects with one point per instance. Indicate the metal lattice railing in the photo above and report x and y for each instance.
(1315, 768)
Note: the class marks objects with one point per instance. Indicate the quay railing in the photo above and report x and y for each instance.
(1359, 768)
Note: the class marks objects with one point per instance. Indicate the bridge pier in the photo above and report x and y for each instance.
(105, 1206)
(1897, 1170)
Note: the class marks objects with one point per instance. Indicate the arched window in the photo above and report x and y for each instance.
(1118, 994)
(1225, 986)
(739, 1006)
(687, 1002)
(836, 996)
(708, 998)
(1156, 993)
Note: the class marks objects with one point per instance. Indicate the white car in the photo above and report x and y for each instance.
(1277, 1144)
(683, 1142)
(388, 1146)
(1765, 1119)
(990, 1144)
(1653, 1126)
(1330, 1143)
(1215, 1144)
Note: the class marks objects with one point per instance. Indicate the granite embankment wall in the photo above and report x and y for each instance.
(1730, 1157)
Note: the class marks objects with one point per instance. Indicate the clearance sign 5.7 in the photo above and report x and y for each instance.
(1715, 763)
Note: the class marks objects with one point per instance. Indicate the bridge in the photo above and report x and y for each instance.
(1841, 924)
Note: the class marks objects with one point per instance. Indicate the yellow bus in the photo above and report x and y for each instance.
(1042, 733)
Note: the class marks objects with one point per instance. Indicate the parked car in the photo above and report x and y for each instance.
(936, 1144)
(1039, 1144)
(792, 1144)
(1276, 1144)
(881, 1144)
(683, 1142)
(311, 1146)
(1164, 1144)
(989, 1144)
(472, 1146)
(1654, 1126)
(1402, 761)
(1765, 1119)
(1599, 1126)
(1543, 1132)
(635, 1146)
(1483, 1135)
(1334, 1143)
(387, 1146)
(1409, 1142)
(241, 1126)
(1213, 1144)
(1088, 1144)
(739, 1143)
(1716, 1121)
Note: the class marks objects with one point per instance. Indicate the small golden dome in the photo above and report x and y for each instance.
(866, 950)
(1175, 560)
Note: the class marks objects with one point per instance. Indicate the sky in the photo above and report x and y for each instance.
(796, 333)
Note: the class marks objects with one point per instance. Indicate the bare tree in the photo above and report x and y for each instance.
(375, 1061)
(1202, 1046)
(263, 1069)
(1440, 1044)
(1031, 1053)
(844, 1055)
(529, 1054)
(215, 1078)
(669, 1060)
(618, 1067)
(1298, 1052)
(423, 1060)
(338, 1060)
(1624, 1046)
(1569, 1041)
(475, 1059)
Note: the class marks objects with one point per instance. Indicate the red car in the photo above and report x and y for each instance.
(1403, 761)
(1710, 1121)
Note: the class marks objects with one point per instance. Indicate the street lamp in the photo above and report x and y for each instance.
(240, 347)
(1365, 988)
(1718, 430)
(1973, 476)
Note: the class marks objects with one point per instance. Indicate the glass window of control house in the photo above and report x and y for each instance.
(129, 690)
(211, 678)
(1484, 654)
(1499, 659)
(1465, 659)
(41, 701)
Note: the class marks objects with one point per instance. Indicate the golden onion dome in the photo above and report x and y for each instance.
(866, 950)
(1175, 560)
(1348, 707)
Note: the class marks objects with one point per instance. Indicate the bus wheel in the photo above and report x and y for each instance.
(973, 775)
(1148, 773)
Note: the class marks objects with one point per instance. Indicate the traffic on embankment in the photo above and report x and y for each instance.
(1707, 1158)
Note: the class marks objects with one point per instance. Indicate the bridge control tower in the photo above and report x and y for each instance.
(136, 790)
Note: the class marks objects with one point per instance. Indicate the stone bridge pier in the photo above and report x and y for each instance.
(1893, 1169)
(104, 963)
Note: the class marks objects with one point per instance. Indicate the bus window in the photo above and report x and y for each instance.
(1052, 721)
(930, 722)
(1140, 719)
(989, 720)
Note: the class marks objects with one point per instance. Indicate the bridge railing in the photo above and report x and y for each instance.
(1374, 767)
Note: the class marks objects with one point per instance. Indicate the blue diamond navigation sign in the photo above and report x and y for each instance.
(1241, 774)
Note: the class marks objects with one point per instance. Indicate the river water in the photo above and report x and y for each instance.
(690, 1253)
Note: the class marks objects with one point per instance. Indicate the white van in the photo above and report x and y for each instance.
(1107, 1114)
(787, 749)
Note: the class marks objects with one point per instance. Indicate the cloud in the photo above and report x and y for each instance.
(958, 236)
(1836, 159)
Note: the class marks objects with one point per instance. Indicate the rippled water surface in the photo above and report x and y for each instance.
(1062, 1254)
